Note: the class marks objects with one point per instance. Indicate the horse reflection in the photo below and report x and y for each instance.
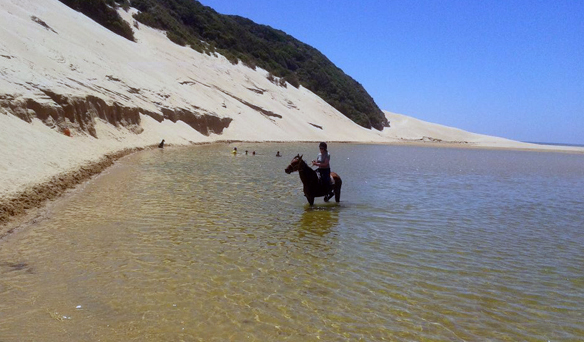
(318, 222)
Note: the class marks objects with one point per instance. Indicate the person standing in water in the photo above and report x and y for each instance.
(234, 152)
(324, 168)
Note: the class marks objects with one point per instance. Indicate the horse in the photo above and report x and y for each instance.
(312, 185)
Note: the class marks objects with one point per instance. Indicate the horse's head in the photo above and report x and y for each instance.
(294, 164)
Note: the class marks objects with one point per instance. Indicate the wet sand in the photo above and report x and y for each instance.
(35, 197)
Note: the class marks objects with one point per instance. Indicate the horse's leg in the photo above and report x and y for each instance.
(338, 184)
(310, 200)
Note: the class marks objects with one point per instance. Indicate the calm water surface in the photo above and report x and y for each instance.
(193, 244)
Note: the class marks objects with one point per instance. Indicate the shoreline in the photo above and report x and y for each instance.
(469, 145)
(15, 209)
(37, 196)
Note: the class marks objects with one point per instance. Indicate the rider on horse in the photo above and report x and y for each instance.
(324, 169)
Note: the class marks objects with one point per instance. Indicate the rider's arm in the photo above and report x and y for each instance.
(323, 164)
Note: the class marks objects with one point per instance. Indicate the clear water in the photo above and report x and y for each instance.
(194, 244)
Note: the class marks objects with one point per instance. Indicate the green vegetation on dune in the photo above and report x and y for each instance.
(188, 22)
(104, 13)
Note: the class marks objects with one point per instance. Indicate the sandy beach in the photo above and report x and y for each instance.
(74, 97)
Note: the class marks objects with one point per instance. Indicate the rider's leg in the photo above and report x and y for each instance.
(326, 181)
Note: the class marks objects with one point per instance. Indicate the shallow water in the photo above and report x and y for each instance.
(194, 244)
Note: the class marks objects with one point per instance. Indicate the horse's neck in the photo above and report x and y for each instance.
(305, 172)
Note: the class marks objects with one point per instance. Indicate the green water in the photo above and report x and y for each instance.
(192, 244)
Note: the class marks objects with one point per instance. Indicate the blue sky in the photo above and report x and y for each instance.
(513, 69)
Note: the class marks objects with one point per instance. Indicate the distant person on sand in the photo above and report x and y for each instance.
(161, 145)
(324, 168)
(234, 151)
(253, 153)
(246, 152)
(278, 154)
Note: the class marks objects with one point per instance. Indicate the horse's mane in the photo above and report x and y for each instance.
(305, 167)
(302, 162)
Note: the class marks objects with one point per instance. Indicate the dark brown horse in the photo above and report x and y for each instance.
(312, 186)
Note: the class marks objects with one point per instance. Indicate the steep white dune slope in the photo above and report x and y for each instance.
(50, 49)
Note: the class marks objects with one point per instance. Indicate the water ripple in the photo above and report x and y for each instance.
(195, 244)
